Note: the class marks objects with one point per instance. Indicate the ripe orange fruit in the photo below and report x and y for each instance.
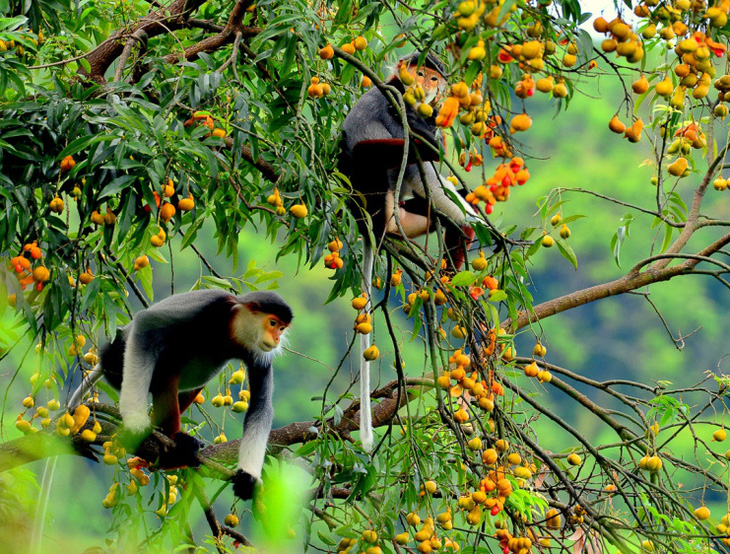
(186, 204)
(67, 163)
(141, 262)
(520, 122)
(702, 513)
(167, 211)
(218, 132)
(86, 277)
(348, 48)
(360, 43)
(327, 53)
(41, 274)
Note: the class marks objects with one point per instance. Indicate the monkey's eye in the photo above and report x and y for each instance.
(421, 73)
(434, 78)
(272, 323)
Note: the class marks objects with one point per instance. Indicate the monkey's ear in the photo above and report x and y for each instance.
(252, 307)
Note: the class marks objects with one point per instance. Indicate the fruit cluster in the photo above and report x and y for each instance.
(497, 187)
(318, 88)
(363, 321)
(333, 259)
(39, 275)
(202, 118)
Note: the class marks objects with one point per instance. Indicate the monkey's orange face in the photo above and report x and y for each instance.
(430, 81)
(273, 330)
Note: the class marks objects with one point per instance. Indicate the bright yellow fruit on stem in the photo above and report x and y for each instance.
(372, 353)
(702, 513)
(574, 459)
(299, 211)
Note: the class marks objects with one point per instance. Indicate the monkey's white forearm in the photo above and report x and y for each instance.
(456, 210)
(257, 425)
(139, 365)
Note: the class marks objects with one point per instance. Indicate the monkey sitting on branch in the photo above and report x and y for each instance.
(176, 346)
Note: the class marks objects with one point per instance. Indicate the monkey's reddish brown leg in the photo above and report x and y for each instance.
(166, 408)
(185, 399)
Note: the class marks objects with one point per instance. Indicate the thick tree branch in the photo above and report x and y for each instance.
(633, 280)
(45, 443)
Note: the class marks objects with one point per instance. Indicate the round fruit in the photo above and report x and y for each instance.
(372, 353)
(299, 211)
(186, 204)
(548, 241)
(360, 43)
(327, 53)
(702, 513)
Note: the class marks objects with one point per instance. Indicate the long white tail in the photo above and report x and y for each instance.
(40, 512)
(366, 419)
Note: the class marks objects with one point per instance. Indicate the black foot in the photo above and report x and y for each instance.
(243, 484)
(184, 454)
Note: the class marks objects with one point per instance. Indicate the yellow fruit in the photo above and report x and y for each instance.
(719, 435)
(240, 406)
(370, 536)
(86, 277)
(298, 210)
(41, 274)
(186, 204)
(402, 539)
(360, 43)
(359, 302)
(88, 435)
(372, 353)
(520, 122)
(574, 459)
(430, 486)
(548, 241)
(702, 513)
(665, 87)
(552, 519)
(424, 110)
(218, 132)
(348, 48)
(679, 166)
(141, 262)
(56, 205)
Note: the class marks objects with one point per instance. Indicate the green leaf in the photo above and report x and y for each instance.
(567, 251)
(464, 279)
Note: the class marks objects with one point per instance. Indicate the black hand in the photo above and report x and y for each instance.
(243, 484)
